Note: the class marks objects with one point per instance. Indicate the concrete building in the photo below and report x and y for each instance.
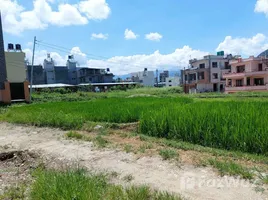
(38, 74)
(72, 71)
(173, 81)
(69, 74)
(13, 83)
(163, 75)
(206, 74)
(145, 78)
(249, 74)
(94, 75)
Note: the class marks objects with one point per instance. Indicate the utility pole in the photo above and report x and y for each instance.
(31, 87)
(156, 77)
(183, 78)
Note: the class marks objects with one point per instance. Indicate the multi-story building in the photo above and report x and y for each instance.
(94, 75)
(249, 74)
(206, 74)
(163, 75)
(38, 74)
(145, 78)
(69, 74)
(13, 83)
(173, 81)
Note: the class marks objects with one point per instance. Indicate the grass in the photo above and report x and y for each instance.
(168, 154)
(73, 115)
(236, 125)
(233, 125)
(79, 184)
(77, 136)
(145, 146)
(265, 179)
(74, 134)
(17, 192)
(231, 168)
(128, 148)
(100, 142)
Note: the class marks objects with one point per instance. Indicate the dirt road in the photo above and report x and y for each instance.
(187, 180)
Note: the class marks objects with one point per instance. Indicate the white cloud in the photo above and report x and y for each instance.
(16, 19)
(153, 36)
(95, 9)
(79, 56)
(130, 35)
(99, 36)
(42, 54)
(125, 64)
(244, 46)
(261, 6)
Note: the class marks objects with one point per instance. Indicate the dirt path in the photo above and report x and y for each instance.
(191, 182)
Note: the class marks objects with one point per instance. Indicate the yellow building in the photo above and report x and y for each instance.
(15, 65)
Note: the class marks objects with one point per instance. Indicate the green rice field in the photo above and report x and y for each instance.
(240, 125)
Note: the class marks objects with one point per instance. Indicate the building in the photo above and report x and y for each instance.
(94, 75)
(13, 83)
(173, 81)
(163, 75)
(38, 74)
(206, 74)
(145, 78)
(249, 74)
(49, 73)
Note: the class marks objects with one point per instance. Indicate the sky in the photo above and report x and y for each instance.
(128, 36)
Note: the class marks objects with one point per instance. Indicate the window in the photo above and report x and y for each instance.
(215, 75)
(202, 66)
(258, 81)
(192, 77)
(260, 67)
(169, 81)
(239, 82)
(201, 75)
(186, 78)
(170, 85)
(214, 64)
(227, 66)
(248, 81)
(240, 69)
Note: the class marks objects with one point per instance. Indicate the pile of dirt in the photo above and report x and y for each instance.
(15, 167)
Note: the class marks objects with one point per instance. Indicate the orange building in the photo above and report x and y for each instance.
(249, 74)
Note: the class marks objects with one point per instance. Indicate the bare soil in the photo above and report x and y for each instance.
(186, 179)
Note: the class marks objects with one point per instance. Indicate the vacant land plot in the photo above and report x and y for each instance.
(231, 125)
(165, 173)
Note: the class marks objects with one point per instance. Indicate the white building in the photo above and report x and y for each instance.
(145, 78)
(173, 81)
(49, 68)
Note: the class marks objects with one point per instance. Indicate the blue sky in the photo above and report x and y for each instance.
(176, 30)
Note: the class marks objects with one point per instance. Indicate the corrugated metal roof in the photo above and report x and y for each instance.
(57, 85)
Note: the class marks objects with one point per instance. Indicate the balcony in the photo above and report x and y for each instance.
(243, 74)
(246, 88)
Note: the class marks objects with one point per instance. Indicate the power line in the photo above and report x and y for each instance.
(66, 50)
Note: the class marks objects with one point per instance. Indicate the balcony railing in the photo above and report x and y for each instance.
(247, 88)
(252, 73)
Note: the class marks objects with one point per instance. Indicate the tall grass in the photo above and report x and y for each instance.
(80, 185)
(229, 125)
(72, 115)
